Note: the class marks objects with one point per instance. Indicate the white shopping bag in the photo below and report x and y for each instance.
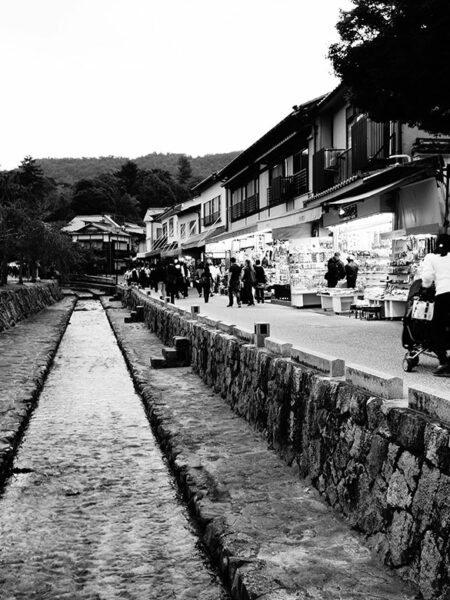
(422, 310)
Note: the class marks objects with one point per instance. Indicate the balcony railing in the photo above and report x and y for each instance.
(372, 144)
(287, 188)
(211, 219)
(325, 168)
(248, 206)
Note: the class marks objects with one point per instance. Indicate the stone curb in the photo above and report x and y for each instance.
(436, 407)
(242, 333)
(10, 439)
(374, 382)
(329, 365)
(277, 346)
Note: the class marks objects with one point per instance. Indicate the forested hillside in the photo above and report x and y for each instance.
(71, 170)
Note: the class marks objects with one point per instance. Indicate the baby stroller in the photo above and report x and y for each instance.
(416, 334)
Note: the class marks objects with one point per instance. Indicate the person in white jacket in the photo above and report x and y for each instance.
(436, 269)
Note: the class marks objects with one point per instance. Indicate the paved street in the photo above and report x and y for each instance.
(374, 344)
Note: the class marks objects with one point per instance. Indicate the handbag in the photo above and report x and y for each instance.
(422, 310)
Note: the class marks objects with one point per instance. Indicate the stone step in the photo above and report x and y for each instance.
(157, 362)
(171, 354)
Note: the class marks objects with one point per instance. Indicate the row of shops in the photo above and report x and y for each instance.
(387, 235)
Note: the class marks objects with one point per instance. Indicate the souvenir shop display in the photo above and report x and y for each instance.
(406, 257)
(307, 266)
(339, 300)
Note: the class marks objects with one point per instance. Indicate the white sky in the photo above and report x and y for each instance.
(131, 77)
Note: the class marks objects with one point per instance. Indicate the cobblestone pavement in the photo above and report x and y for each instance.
(374, 344)
(26, 352)
(90, 510)
(270, 532)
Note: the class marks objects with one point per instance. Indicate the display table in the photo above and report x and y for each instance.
(339, 303)
(367, 309)
(394, 308)
(301, 298)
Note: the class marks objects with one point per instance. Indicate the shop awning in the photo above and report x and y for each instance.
(171, 249)
(234, 234)
(350, 199)
(195, 241)
(152, 253)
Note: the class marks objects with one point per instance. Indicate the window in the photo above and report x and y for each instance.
(192, 227)
(211, 211)
(236, 196)
(300, 161)
(252, 188)
(171, 227)
(182, 230)
(276, 171)
(351, 117)
(165, 229)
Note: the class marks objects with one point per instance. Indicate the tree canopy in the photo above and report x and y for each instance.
(27, 199)
(394, 57)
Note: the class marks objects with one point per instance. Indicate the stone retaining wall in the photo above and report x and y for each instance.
(19, 302)
(386, 468)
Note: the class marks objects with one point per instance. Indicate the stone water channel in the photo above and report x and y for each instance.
(91, 509)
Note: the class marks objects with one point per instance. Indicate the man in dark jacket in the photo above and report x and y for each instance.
(261, 281)
(234, 282)
(335, 270)
(351, 272)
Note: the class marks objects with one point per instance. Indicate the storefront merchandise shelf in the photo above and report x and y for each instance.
(301, 298)
(394, 308)
(338, 304)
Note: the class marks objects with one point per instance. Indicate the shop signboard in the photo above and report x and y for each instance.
(346, 213)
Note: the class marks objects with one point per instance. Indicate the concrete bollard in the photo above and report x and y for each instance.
(195, 310)
(262, 330)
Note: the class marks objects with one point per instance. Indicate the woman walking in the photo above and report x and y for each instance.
(436, 269)
(248, 280)
(207, 281)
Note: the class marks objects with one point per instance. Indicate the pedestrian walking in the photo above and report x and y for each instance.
(234, 283)
(335, 270)
(159, 277)
(207, 282)
(436, 269)
(198, 278)
(184, 282)
(171, 281)
(248, 280)
(351, 272)
(261, 281)
(215, 274)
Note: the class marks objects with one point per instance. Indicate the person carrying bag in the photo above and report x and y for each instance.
(436, 269)
(260, 283)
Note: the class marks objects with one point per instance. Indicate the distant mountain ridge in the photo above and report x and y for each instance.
(71, 170)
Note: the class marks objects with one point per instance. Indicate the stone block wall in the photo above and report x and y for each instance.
(19, 302)
(384, 467)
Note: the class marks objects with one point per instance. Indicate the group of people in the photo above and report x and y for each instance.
(336, 270)
(172, 278)
(243, 279)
